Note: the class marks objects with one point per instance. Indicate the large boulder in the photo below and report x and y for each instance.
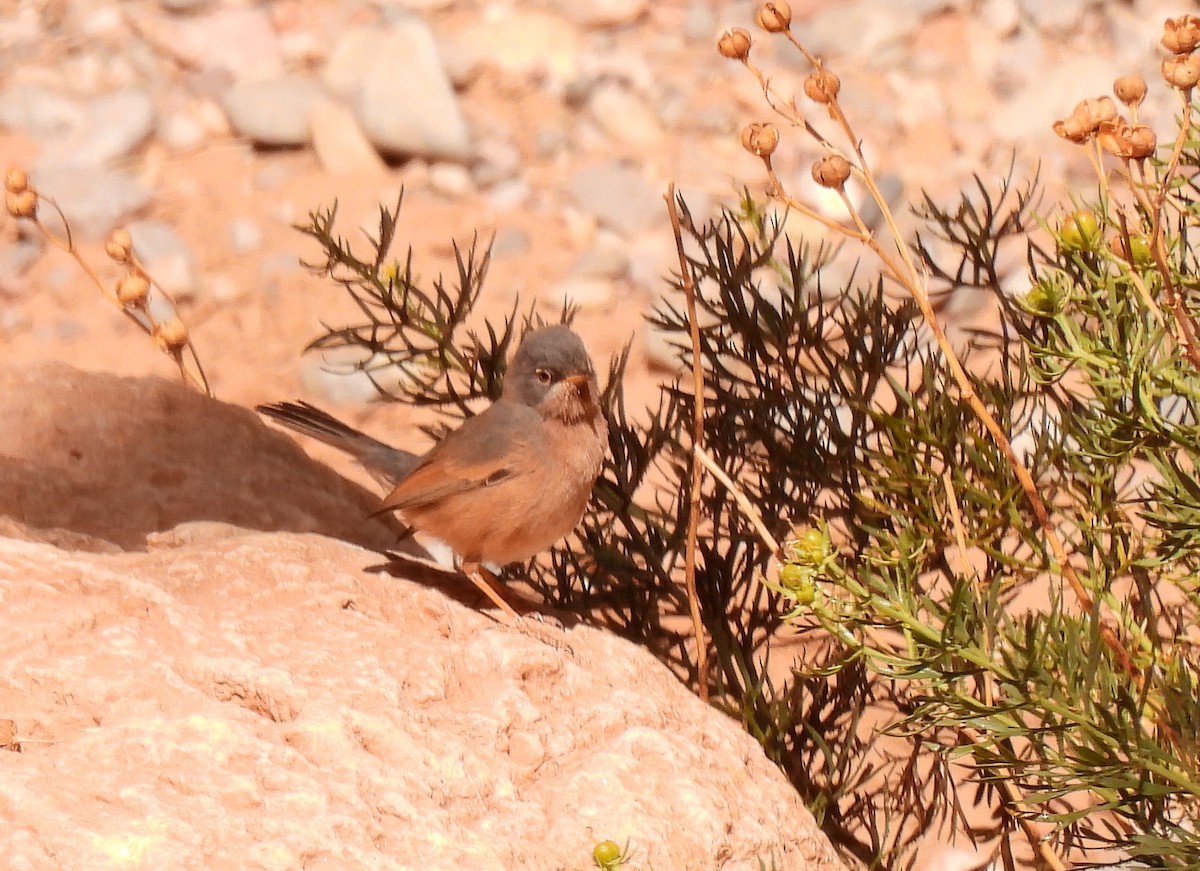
(200, 675)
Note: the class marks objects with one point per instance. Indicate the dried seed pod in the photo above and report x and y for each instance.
(774, 17)
(21, 205)
(735, 44)
(831, 171)
(822, 86)
(1094, 111)
(1130, 90)
(171, 336)
(1142, 142)
(119, 245)
(16, 181)
(760, 138)
(1074, 130)
(1116, 137)
(1181, 35)
(1181, 71)
(133, 290)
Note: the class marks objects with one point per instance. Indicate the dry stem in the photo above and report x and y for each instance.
(689, 564)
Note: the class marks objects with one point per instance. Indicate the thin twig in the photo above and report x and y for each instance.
(689, 558)
(743, 501)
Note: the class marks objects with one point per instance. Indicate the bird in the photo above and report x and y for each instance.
(507, 483)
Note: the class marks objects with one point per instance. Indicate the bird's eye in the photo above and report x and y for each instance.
(544, 376)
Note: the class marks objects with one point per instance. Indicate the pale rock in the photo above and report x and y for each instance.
(1002, 17)
(351, 58)
(624, 117)
(92, 133)
(1028, 116)
(340, 143)
(523, 43)
(273, 112)
(236, 39)
(451, 180)
(93, 199)
(652, 255)
(15, 259)
(244, 690)
(700, 21)
(336, 377)
(499, 159)
(878, 26)
(509, 195)
(663, 350)
(165, 255)
(40, 112)
(245, 235)
(133, 457)
(416, 5)
(606, 13)
(588, 293)
(617, 195)
(510, 242)
(182, 130)
(1060, 16)
(190, 6)
(113, 126)
(607, 258)
(405, 103)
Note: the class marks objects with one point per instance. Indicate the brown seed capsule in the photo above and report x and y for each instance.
(1142, 142)
(171, 336)
(831, 171)
(1074, 130)
(21, 205)
(1115, 138)
(774, 17)
(735, 44)
(1130, 90)
(119, 245)
(133, 290)
(822, 86)
(1094, 111)
(1181, 35)
(760, 138)
(1181, 71)
(16, 181)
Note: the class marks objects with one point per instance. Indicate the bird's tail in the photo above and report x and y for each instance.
(390, 464)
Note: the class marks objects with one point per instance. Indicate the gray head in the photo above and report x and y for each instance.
(552, 372)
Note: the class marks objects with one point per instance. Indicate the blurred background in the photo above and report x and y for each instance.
(210, 127)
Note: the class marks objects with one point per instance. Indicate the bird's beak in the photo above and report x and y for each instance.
(582, 385)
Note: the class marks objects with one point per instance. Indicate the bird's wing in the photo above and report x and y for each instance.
(481, 453)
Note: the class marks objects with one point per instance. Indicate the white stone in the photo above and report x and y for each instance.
(524, 43)
(624, 117)
(340, 143)
(606, 13)
(618, 196)
(405, 104)
(245, 235)
(589, 294)
(451, 180)
(239, 40)
(165, 255)
(273, 112)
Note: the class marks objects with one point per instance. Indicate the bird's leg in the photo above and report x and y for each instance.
(490, 587)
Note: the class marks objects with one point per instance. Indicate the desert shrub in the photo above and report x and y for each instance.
(980, 555)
